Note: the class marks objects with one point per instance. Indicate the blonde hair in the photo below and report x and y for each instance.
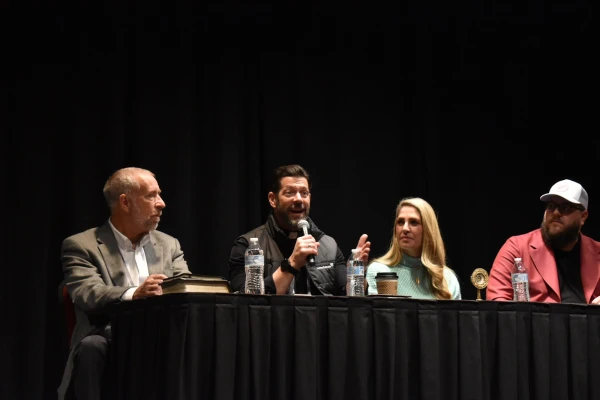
(433, 252)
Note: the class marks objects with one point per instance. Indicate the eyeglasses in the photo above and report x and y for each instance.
(564, 208)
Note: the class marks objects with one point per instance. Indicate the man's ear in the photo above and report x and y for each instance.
(584, 216)
(272, 199)
(124, 202)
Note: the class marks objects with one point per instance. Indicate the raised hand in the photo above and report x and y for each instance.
(364, 247)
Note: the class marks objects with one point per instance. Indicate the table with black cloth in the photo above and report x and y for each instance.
(237, 346)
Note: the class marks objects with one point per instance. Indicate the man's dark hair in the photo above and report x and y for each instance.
(288, 170)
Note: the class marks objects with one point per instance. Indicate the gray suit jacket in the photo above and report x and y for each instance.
(96, 276)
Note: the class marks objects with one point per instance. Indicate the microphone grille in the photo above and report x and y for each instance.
(303, 224)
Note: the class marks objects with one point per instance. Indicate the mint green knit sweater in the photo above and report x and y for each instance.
(412, 278)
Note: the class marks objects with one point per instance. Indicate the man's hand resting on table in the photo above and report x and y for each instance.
(150, 287)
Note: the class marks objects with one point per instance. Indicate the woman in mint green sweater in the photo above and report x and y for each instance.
(417, 255)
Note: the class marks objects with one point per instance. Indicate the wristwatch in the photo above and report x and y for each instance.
(286, 267)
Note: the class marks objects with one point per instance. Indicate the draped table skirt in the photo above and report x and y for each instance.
(237, 346)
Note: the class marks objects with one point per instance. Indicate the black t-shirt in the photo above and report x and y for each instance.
(568, 264)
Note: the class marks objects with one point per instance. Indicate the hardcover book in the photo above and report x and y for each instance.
(193, 283)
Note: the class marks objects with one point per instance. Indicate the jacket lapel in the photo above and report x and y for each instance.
(107, 244)
(544, 263)
(590, 268)
(153, 256)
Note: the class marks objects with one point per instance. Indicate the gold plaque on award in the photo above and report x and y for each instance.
(479, 279)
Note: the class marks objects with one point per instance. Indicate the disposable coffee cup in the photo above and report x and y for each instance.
(387, 283)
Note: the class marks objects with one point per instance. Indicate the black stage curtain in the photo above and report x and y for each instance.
(476, 106)
(297, 347)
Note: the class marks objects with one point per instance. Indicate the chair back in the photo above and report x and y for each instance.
(69, 310)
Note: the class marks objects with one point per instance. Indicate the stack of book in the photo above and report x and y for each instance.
(192, 283)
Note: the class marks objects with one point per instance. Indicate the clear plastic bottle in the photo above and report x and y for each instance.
(255, 267)
(355, 273)
(520, 281)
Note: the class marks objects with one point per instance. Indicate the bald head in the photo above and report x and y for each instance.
(135, 202)
(124, 181)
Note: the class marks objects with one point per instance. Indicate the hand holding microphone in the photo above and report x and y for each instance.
(306, 244)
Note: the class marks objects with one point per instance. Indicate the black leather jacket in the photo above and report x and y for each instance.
(327, 276)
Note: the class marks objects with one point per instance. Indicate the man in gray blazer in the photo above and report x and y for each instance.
(124, 259)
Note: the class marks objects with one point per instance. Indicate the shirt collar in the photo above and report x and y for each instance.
(410, 261)
(124, 242)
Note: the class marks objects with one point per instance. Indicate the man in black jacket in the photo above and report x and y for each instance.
(286, 249)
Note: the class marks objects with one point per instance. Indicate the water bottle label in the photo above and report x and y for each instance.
(255, 260)
(519, 278)
(356, 270)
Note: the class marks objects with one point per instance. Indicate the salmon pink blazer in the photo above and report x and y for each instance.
(541, 267)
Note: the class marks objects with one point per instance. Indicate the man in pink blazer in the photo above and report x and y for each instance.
(563, 264)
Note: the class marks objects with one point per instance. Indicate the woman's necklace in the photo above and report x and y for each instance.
(418, 272)
(415, 267)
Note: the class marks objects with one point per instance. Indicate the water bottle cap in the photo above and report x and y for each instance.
(254, 239)
(355, 251)
(517, 258)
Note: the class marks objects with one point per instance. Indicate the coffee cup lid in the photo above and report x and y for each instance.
(386, 275)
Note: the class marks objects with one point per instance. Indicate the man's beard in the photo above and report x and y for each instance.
(286, 221)
(140, 220)
(561, 239)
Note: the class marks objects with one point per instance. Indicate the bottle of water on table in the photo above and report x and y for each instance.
(520, 281)
(355, 273)
(255, 267)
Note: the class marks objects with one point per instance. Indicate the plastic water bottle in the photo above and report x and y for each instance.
(520, 281)
(355, 273)
(255, 267)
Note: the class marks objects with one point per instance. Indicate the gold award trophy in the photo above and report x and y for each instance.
(479, 278)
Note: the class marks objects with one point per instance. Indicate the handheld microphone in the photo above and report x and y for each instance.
(304, 225)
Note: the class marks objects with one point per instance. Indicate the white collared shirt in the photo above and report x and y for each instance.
(134, 259)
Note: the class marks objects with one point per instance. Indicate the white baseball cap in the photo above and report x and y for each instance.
(571, 191)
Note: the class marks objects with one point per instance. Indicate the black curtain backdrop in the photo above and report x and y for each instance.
(478, 107)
